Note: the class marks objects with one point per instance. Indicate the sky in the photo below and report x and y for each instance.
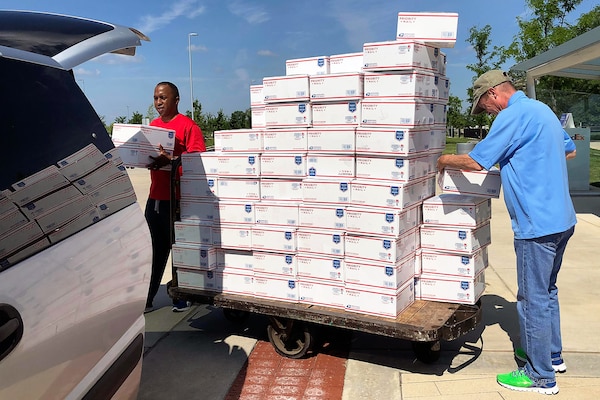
(239, 42)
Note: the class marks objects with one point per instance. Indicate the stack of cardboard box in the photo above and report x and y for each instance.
(320, 202)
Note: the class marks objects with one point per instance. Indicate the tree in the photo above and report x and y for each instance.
(120, 120)
(239, 120)
(547, 28)
(486, 60)
(455, 117)
(151, 112)
(136, 118)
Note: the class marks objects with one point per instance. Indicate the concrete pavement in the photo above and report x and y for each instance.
(198, 354)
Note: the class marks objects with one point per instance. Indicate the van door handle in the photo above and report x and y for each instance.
(11, 329)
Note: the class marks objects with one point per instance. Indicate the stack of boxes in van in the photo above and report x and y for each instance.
(320, 202)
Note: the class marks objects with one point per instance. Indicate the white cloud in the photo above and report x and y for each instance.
(198, 47)
(252, 13)
(265, 53)
(86, 72)
(187, 8)
(112, 59)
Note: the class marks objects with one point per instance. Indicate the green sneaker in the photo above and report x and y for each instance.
(518, 380)
(520, 354)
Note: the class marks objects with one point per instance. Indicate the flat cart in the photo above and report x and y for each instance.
(424, 323)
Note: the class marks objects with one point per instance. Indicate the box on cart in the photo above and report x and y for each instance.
(321, 242)
(337, 113)
(380, 249)
(326, 191)
(232, 236)
(322, 216)
(242, 165)
(331, 140)
(454, 264)
(401, 85)
(396, 142)
(318, 65)
(276, 287)
(204, 210)
(288, 88)
(193, 232)
(283, 264)
(463, 240)
(379, 274)
(288, 165)
(348, 62)
(329, 268)
(394, 114)
(451, 289)
(281, 189)
(288, 115)
(292, 140)
(194, 256)
(330, 166)
(198, 186)
(257, 98)
(451, 209)
(258, 117)
(235, 212)
(276, 213)
(438, 29)
(239, 189)
(400, 55)
(345, 86)
(197, 279)
(278, 239)
(391, 194)
(381, 221)
(239, 140)
(387, 303)
(322, 293)
(228, 259)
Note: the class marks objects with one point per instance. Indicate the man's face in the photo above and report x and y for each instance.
(490, 103)
(165, 101)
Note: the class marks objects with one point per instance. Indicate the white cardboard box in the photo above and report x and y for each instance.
(283, 264)
(54, 218)
(327, 191)
(37, 185)
(236, 282)
(330, 166)
(99, 177)
(204, 210)
(400, 169)
(288, 115)
(193, 232)
(6, 203)
(336, 113)
(82, 162)
(240, 189)
(17, 238)
(478, 183)
(443, 87)
(257, 98)
(198, 186)
(331, 140)
(11, 219)
(197, 279)
(277, 89)
(321, 242)
(382, 302)
(286, 165)
(318, 65)
(455, 239)
(398, 56)
(281, 189)
(234, 260)
(438, 29)
(451, 289)
(401, 85)
(118, 187)
(276, 287)
(242, 165)
(397, 114)
(391, 194)
(239, 140)
(53, 200)
(232, 236)
(80, 222)
(396, 142)
(381, 221)
(454, 264)
(25, 252)
(137, 156)
(235, 212)
(321, 293)
(135, 135)
(258, 118)
(456, 210)
(194, 256)
(311, 266)
(348, 62)
(380, 249)
(114, 157)
(278, 239)
(376, 274)
(339, 87)
(276, 213)
(322, 216)
(112, 204)
(285, 140)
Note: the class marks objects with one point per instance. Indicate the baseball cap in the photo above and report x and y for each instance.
(483, 83)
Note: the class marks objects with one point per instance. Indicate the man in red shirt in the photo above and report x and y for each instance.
(188, 139)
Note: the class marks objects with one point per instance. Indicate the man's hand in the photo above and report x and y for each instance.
(162, 160)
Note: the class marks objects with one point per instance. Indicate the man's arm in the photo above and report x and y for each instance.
(458, 161)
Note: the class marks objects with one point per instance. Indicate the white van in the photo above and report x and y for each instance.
(75, 249)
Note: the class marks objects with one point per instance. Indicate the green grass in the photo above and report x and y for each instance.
(594, 158)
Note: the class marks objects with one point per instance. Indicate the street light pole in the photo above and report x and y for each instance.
(191, 81)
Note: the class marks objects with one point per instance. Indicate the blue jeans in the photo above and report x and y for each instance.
(538, 263)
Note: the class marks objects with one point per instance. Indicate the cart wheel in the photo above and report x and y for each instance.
(237, 316)
(289, 337)
(427, 352)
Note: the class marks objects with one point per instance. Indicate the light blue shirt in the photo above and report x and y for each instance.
(529, 143)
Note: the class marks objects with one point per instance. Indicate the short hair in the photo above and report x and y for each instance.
(171, 85)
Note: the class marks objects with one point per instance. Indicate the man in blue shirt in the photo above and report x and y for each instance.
(530, 146)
